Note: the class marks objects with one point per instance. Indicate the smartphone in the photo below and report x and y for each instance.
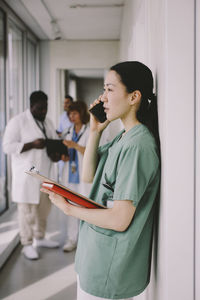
(98, 112)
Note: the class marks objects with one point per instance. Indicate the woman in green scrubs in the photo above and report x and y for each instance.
(114, 249)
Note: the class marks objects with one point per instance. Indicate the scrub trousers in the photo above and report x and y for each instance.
(32, 219)
(82, 295)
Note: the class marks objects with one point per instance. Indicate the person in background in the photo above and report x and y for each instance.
(75, 138)
(24, 139)
(113, 256)
(64, 119)
(63, 124)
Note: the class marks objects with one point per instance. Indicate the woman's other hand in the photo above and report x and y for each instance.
(70, 144)
(74, 145)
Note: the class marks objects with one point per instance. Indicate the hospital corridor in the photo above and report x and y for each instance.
(56, 59)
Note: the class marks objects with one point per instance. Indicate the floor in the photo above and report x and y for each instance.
(50, 277)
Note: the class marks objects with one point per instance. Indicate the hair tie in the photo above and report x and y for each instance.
(151, 98)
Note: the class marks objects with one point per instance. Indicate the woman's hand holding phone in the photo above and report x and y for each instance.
(98, 121)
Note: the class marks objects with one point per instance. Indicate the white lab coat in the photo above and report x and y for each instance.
(82, 187)
(20, 130)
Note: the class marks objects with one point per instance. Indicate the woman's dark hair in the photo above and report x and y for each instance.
(38, 96)
(82, 108)
(136, 76)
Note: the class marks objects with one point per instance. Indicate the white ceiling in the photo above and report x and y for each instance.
(71, 19)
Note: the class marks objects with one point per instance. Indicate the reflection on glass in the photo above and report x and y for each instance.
(15, 48)
(2, 116)
(31, 69)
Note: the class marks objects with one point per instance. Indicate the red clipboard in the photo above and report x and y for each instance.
(71, 196)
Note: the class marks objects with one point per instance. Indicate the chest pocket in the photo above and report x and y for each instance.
(110, 174)
(108, 187)
(110, 170)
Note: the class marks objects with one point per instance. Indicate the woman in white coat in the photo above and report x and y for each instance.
(75, 138)
(24, 140)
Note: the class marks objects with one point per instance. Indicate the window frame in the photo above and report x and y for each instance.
(27, 34)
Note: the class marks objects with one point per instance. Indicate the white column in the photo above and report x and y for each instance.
(169, 51)
(197, 219)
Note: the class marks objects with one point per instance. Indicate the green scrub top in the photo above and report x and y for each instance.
(113, 264)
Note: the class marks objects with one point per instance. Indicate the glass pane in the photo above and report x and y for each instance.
(15, 48)
(3, 200)
(31, 68)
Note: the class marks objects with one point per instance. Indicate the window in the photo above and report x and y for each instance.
(15, 61)
(18, 78)
(3, 200)
(31, 68)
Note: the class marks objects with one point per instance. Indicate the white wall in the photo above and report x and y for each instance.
(73, 55)
(197, 207)
(160, 33)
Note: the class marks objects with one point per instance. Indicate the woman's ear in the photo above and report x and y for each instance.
(135, 97)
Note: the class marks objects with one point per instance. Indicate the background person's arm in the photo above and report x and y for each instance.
(36, 144)
(76, 146)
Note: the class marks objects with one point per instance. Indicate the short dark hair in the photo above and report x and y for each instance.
(82, 108)
(38, 96)
(69, 97)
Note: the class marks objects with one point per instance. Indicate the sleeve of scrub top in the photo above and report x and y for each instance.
(136, 169)
(11, 139)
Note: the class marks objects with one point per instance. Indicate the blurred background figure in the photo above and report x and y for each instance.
(75, 138)
(64, 121)
(25, 140)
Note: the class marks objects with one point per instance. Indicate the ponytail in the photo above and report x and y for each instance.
(147, 114)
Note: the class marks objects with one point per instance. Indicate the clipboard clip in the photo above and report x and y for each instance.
(34, 170)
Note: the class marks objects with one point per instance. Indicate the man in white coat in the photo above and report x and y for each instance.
(24, 139)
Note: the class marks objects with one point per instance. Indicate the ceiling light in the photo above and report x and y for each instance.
(54, 25)
(56, 30)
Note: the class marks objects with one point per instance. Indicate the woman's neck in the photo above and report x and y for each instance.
(78, 127)
(129, 122)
